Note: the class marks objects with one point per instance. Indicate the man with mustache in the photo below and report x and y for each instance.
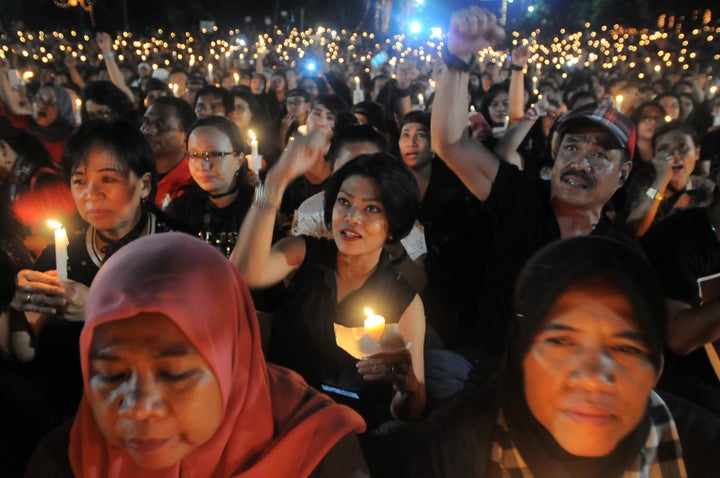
(592, 149)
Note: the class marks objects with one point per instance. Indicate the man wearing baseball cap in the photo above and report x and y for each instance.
(592, 150)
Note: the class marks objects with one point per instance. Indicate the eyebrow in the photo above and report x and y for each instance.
(373, 199)
(626, 334)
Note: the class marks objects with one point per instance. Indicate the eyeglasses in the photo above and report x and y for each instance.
(207, 156)
(160, 126)
(46, 100)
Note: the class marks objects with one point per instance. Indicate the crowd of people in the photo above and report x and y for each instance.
(537, 228)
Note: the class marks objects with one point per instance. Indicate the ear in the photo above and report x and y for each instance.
(660, 369)
(625, 169)
(145, 185)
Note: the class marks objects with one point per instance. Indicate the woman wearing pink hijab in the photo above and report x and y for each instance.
(176, 383)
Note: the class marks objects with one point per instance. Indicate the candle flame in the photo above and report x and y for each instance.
(668, 118)
(368, 311)
(618, 99)
(54, 224)
(252, 135)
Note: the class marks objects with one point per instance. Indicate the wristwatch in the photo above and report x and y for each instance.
(454, 62)
(654, 194)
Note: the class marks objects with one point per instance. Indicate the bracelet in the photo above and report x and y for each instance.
(110, 54)
(454, 62)
(654, 194)
(514, 67)
(262, 198)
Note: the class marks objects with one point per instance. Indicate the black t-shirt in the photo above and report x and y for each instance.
(523, 221)
(218, 227)
(303, 336)
(684, 248)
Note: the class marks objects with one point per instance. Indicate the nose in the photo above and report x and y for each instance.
(350, 214)
(594, 370)
(141, 398)
(92, 189)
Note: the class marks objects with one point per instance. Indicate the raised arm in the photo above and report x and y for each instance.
(471, 29)
(116, 76)
(10, 96)
(645, 201)
(260, 263)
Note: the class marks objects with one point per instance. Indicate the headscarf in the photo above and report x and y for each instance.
(544, 278)
(273, 423)
(65, 121)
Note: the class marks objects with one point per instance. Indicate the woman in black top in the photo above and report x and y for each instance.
(215, 206)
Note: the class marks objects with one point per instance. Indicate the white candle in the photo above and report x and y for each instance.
(256, 159)
(210, 72)
(421, 100)
(78, 110)
(712, 91)
(506, 122)
(61, 245)
(374, 325)
(236, 77)
(619, 102)
(357, 83)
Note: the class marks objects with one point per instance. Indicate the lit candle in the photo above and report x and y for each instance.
(713, 90)
(174, 89)
(421, 100)
(61, 245)
(506, 122)
(302, 129)
(374, 325)
(78, 109)
(358, 95)
(236, 77)
(210, 72)
(432, 85)
(668, 118)
(255, 160)
(619, 102)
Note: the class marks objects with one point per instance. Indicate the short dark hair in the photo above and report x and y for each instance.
(355, 133)
(298, 92)
(222, 93)
(399, 192)
(681, 126)
(416, 117)
(225, 126)
(120, 138)
(106, 93)
(183, 110)
(334, 103)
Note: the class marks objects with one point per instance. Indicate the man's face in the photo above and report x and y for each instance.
(297, 106)
(209, 105)
(161, 127)
(588, 167)
(588, 372)
(180, 79)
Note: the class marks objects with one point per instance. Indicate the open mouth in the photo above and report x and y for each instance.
(577, 179)
(348, 234)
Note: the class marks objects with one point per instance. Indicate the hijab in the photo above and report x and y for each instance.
(273, 423)
(65, 121)
(542, 281)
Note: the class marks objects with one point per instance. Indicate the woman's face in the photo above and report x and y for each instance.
(214, 175)
(671, 105)
(498, 108)
(414, 145)
(107, 195)
(241, 114)
(588, 373)
(650, 118)
(359, 223)
(277, 83)
(45, 110)
(686, 106)
(681, 147)
(152, 394)
(8, 156)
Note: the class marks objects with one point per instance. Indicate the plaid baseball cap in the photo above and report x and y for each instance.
(620, 126)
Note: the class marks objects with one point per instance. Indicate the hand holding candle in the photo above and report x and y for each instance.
(61, 245)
